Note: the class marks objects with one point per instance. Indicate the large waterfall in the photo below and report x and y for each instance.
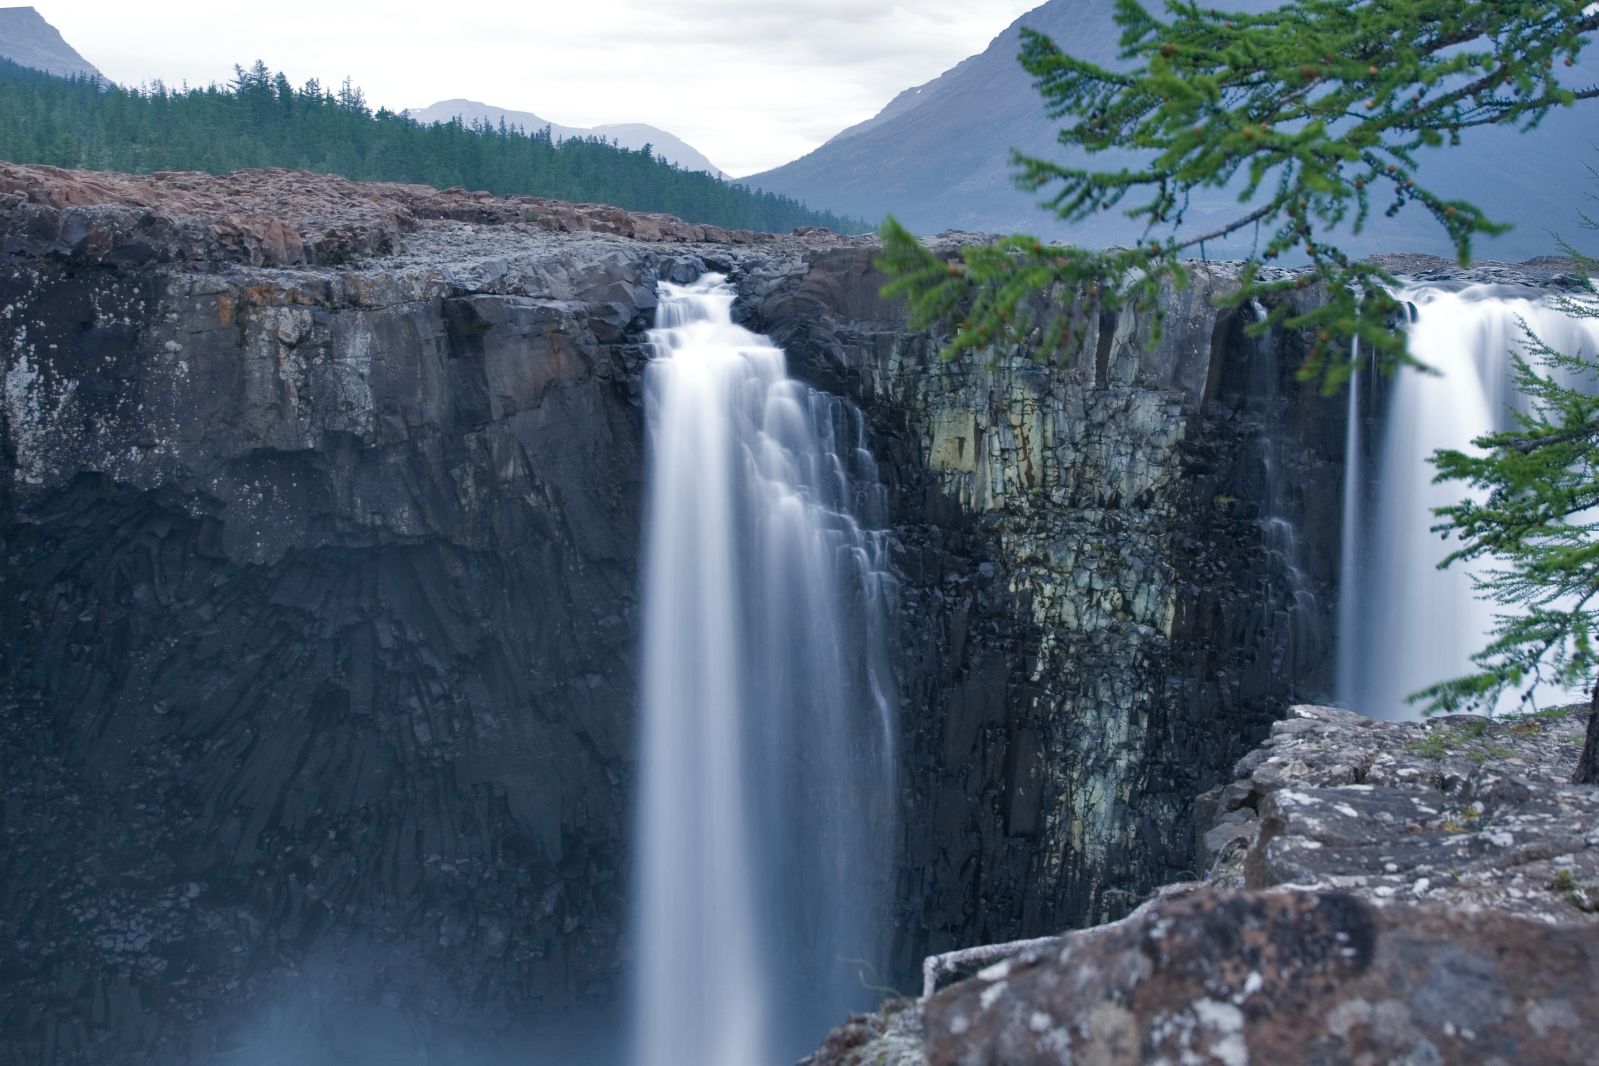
(766, 834)
(1405, 624)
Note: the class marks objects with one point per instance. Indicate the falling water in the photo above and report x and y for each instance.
(767, 763)
(1413, 624)
(1353, 531)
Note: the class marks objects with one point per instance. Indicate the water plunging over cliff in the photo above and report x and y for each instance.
(1404, 623)
(767, 794)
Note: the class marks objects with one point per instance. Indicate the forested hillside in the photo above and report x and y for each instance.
(260, 120)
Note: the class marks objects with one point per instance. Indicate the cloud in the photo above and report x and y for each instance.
(751, 83)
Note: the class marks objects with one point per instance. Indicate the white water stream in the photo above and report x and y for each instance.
(1405, 624)
(765, 829)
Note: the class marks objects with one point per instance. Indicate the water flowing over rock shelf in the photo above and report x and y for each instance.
(768, 777)
(329, 612)
(1406, 624)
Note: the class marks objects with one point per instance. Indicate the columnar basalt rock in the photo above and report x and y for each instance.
(320, 514)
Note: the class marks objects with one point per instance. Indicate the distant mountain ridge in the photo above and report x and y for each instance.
(631, 135)
(938, 157)
(28, 40)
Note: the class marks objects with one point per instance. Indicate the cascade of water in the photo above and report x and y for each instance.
(767, 765)
(1351, 534)
(1416, 625)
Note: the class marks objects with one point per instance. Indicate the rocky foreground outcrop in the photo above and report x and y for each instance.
(1379, 893)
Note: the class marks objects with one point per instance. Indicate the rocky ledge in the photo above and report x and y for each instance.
(1378, 892)
(272, 217)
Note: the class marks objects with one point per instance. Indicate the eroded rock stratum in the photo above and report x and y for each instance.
(320, 505)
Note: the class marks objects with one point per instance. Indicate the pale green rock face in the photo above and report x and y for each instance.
(1073, 475)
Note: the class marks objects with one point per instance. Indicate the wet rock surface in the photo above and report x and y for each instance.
(1380, 892)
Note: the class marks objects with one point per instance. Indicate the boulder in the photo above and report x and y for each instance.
(1284, 977)
(1377, 892)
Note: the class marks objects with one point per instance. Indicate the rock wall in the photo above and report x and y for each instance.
(320, 516)
(319, 646)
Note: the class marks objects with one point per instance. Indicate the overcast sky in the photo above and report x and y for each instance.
(751, 83)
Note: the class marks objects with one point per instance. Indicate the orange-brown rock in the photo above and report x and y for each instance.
(275, 217)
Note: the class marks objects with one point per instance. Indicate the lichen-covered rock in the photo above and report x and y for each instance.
(1379, 892)
(1284, 977)
(890, 1036)
(1462, 811)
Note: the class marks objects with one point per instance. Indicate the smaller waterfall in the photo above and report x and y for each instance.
(1352, 534)
(1289, 593)
(1279, 533)
(767, 794)
(1412, 625)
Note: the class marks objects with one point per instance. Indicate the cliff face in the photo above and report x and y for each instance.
(320, 642)
(320, 518)
(1103, 608)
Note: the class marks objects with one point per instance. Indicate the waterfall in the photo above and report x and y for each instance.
(1408, 624)
(765, 827)
(1350, 537)
(1278, 532)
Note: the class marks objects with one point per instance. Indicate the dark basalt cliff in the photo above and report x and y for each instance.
(320, 511)
(1104, 609)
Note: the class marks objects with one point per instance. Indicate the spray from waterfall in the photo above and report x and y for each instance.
(1409, 624)
(767, 793)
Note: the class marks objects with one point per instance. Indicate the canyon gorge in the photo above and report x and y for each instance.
(322, 509)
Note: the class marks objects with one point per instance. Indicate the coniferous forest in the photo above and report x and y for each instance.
(261, 120)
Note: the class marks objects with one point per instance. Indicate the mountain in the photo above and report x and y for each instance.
(633, 135)
(938, 157)
(28, 40)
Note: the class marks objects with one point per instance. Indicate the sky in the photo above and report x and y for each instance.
(750, 83)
